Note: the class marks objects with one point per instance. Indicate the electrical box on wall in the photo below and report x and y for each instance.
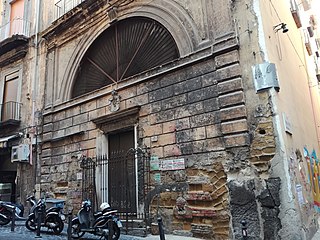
(265, 76)
(20, 153)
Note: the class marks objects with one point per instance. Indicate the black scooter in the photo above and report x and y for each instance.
(101, 223)
(52, 218)
(8, 208)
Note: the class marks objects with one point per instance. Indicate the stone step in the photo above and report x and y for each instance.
(138, 232)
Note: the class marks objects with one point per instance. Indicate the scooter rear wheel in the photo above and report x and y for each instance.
(31, 223)
(116, 232)
(76, 232)
(56, 220)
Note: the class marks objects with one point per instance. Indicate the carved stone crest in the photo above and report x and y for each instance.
(114, 101)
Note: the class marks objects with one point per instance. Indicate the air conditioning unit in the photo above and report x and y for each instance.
(20, 153)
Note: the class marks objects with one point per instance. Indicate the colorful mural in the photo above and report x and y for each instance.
(314, 176)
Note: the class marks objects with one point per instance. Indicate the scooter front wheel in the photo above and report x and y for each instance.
(76, 232)
(5, 219)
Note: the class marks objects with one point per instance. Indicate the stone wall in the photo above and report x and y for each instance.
(194, 109)
(196, 113)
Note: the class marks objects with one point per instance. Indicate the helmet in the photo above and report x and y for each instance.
(104, 206)
(86, 203)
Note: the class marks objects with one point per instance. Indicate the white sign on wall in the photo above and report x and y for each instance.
(172, 164)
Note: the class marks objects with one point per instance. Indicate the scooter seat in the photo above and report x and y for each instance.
(110, 212)
(97, 214)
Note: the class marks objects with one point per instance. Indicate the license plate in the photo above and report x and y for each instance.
(62, 217)
(18, 211)
(119, 223)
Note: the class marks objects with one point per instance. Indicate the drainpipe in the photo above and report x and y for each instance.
(34, 90)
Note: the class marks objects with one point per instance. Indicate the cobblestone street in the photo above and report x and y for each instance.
(20, 232)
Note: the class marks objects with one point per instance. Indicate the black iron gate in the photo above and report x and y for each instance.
(122, 180)
(88, 166)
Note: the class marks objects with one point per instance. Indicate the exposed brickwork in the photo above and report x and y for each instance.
(263, 146)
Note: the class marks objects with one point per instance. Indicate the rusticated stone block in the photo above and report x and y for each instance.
(237, 140)
(58, 116)
(187, 86)
(174, 101)
(79, 119)
(233, 113)
(230, 86)
(211, 104)
(171, 150)
(162, 116)
(209, 79)
(47, 128)
(215, 144)
(169, 126)
(229, 72)
(227, 59)
(47, 119)
(166, 139)
(89, 106)
(182, 123)
(152, 130)
(204, 119)
(161, 93)
(231, 99)
(213, 131)
(234, 126)
(47, 136)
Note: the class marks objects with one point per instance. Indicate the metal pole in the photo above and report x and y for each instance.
(69, 225)
(39, 218)
(13, 220)
(244, 229)
(161, 231)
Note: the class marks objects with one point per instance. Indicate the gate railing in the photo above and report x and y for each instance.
(122, 180)
(88, 166)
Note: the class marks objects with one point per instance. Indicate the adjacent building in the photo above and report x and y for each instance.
(204, 113)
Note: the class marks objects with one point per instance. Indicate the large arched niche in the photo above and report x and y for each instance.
(181, 27)
(128, 47)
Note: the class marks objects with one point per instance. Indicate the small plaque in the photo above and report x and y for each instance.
(154, 163)
(172, 164)
(157, 177)
(79, 176)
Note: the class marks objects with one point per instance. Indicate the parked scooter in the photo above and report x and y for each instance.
(52, 218)
(102, 223)
(7, 208)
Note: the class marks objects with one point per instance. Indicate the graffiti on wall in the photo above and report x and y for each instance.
(313, 175)
(301, 169)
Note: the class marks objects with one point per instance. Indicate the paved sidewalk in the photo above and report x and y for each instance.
(21, 232)
(317, 235)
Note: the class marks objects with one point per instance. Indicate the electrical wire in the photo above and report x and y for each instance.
(290, 40)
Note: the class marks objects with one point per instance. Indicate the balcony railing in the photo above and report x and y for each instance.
(17, 26)
(63, 6)
(10, 112)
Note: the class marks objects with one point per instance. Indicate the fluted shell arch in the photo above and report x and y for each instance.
(128, 47)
